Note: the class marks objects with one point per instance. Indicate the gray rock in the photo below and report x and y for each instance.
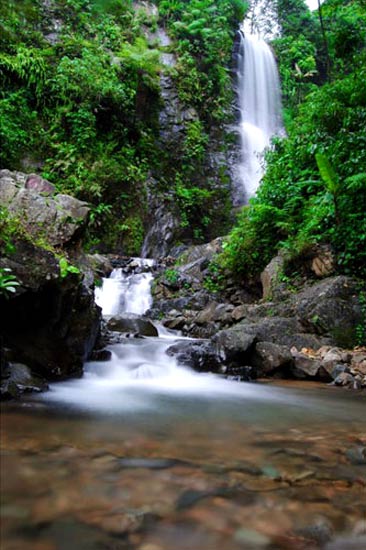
(268, 357)
(18, 379)
(39, 184)
(234, 344)
(270, 276)
(58, 219)
(200, 355)
(331, 307)
(344, 379)
(132, 323)
(309, 367)
(347, 543)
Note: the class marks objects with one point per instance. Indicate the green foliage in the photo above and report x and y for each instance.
(205, 30)
(361, 328)
(250, 244)
(9, 229)
(171, 275)
(66, 268)
(8, 282)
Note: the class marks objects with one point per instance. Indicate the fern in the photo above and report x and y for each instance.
(327, 173)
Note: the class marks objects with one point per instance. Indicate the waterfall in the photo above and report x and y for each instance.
(259, 98)
(141, 373)
(125, 293)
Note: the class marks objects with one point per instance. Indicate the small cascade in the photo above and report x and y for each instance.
(140, 372)
(259, 97)
(126, 292)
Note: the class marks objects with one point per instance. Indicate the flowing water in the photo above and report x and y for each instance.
(259, 97)
(144, 454)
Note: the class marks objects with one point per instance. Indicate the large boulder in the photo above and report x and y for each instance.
(59, 219)
(331, 307)
(51, 322)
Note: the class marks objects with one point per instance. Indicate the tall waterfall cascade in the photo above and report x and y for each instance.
(259, 99)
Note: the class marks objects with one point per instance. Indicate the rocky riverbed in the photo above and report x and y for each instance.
(188, 473)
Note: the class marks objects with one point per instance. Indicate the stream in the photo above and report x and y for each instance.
(144, 454)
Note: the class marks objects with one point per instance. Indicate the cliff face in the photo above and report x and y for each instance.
(51, 322)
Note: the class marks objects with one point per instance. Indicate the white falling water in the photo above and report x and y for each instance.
(259, 96)
(123, 293)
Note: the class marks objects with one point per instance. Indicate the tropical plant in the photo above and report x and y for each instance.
(8, 282)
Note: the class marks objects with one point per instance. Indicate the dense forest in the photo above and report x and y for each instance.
(80, 102)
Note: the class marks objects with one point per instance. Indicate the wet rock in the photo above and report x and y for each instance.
(239, 374)
(233, 345)
(356, 455)
(250, 538)
(100, 355)
(200, 356)
(347, 543)
(18, 379)
(132, 323)
(321, 531)
(344, 379)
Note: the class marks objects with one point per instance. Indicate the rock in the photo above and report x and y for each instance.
(233, 345)
(215, 312)
(100, 355)
(239, 312)
(347, 543)
(322, 263)
(59, 219)
(320, 531)
(51, 322)
(100, 264)
(39, 184)
(178, 323)
(331, 307)
(132, 323)
(18, 379)
(200, 356)
(308, 367)
(357, 455)
(268, 357)
(270, 276)
(344, 379)
(279, 330)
